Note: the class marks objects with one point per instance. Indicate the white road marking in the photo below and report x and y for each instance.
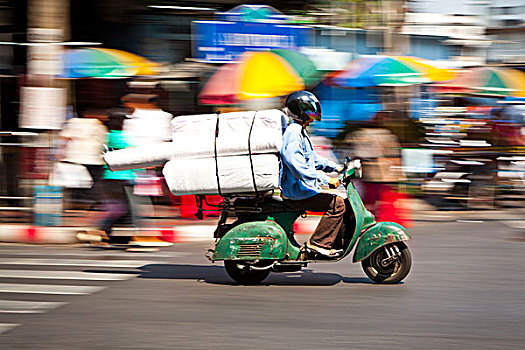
(65, 275)
(6, 327)
(48, 289)
(27, 307)
(77, 262)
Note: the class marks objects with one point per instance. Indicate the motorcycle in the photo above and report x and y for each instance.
(261, 239)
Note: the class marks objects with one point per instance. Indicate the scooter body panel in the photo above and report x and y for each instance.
(253, 240)
(363, 218)
(377, 236)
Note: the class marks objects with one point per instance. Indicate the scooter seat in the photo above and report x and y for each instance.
(269, 204)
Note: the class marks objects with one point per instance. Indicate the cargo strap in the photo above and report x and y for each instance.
(250, 154)
(215, 153)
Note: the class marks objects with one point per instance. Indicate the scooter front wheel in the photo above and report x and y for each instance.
(243, 274)
(388, 264)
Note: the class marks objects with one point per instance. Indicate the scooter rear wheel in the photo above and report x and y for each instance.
(243, 274)
(380, 270)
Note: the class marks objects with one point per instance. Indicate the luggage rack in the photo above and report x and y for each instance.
(234, 204)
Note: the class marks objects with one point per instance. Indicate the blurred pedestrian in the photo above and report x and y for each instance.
(147, 123)
(379, 150)
(83, 139)
(118, 185)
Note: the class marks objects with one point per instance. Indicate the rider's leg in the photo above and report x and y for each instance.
(330, 225)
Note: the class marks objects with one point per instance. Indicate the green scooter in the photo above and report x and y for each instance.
(261, 239)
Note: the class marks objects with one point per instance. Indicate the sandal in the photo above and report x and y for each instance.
(331, 253)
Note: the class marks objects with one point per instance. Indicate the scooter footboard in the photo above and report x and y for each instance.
(377, 236)
(256, 240)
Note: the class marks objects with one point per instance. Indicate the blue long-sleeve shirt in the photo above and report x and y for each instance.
(299, 178)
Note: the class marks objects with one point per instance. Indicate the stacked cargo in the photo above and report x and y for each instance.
(214, 153)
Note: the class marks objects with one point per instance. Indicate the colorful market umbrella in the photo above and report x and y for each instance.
(105, 63)
(256, 75)
(488, 81)
(302, 65)
(428, 68)
(377, 71)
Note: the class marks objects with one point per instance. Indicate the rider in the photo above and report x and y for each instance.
(299, 180)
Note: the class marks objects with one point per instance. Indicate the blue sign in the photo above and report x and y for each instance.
(221, 41)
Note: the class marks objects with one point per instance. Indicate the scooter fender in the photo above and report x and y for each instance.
(380, 234)
(251, 241)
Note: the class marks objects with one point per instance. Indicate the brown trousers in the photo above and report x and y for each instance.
(325, 234)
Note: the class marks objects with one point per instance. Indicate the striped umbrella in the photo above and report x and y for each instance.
(105, 63)
(256, 75)
(486, 81)
(377, 71)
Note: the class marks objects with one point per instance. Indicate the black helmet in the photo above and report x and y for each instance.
(303, 106)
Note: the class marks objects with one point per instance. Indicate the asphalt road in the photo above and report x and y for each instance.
(466, 291)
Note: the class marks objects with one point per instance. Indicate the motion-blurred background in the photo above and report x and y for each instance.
(430, 94)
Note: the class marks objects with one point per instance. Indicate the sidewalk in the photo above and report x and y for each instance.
(164, 226)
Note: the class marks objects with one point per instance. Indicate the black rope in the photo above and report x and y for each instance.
(215, 151)
(250, 154)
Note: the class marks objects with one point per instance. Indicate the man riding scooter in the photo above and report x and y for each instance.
(300, 182)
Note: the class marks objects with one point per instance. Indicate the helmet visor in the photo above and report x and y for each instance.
(313, 110)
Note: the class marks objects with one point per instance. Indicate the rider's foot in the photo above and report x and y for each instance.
(331, 253)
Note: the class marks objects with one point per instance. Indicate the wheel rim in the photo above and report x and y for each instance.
(377, 262)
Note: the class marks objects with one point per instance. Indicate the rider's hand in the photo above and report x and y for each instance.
(339, 170)
(334, 182)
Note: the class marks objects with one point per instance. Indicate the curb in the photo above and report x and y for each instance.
(193, 232)
(38, 234)
(68, 235)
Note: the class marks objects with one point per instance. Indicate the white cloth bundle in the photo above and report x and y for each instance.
(194, 137)
(198, 175)
(140, 157)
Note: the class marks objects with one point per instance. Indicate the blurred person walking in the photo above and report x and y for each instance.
(147, 123)
(83, 138)
(380, 152)
(118, 202)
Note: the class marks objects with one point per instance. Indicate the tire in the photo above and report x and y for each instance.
(392, 273)
(242, 274)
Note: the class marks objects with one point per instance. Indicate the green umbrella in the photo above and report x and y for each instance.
(302, 65)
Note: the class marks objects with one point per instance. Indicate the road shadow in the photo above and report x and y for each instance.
(215, 274)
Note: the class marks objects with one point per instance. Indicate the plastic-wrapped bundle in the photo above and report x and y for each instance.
(194, 137)
(140, 157)
(199, 176)
(231, 134)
